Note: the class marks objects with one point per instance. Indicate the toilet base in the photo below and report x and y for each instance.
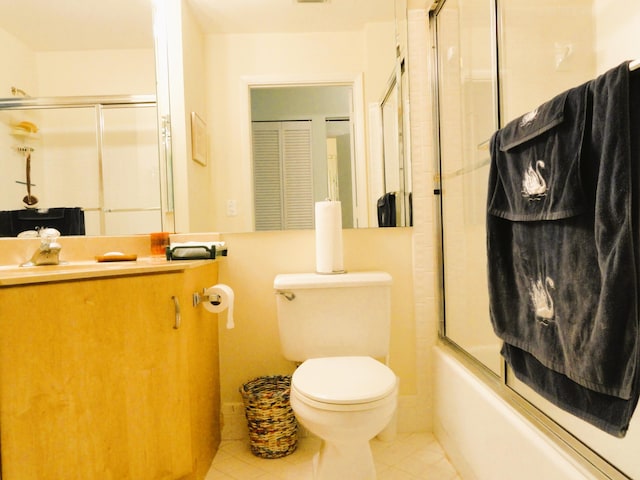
(353, 461)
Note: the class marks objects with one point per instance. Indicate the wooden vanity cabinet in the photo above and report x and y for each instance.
(96, 383)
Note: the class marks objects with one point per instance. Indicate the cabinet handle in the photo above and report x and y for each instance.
(176, 304)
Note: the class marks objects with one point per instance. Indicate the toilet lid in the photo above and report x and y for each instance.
(343, 380)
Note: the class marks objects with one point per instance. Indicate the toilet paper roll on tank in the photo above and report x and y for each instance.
(219, 298)
(329, 255)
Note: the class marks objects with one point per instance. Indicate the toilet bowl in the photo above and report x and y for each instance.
(345, 401)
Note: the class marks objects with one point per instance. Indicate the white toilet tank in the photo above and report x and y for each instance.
(333, 315)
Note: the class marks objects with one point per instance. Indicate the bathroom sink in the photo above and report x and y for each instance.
(36, 271)
(62, 266)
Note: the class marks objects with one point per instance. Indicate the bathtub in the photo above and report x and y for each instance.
(488, 439)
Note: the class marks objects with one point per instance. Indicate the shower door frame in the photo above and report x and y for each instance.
(99, 104)
(498, 382)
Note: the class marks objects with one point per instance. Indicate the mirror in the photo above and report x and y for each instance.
(96, 48)
(82, 76)
(337, 43)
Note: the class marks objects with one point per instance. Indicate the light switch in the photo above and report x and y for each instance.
(232, 208)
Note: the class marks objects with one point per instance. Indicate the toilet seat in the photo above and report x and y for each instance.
(343, 382)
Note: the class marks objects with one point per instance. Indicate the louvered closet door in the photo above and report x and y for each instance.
(297, 175)
(267, 177)
(283, 181)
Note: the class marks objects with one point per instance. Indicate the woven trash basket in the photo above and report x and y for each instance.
(273, 430)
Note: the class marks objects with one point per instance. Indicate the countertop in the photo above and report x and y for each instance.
(14, 275)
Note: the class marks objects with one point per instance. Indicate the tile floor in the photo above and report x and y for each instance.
(415, 456)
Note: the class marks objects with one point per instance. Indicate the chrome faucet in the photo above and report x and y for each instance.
(48, 253)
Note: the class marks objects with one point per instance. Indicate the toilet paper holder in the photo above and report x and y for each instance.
(198, 298)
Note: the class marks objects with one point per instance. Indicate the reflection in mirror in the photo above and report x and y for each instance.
(96, 154)
(302, 154)
(97, 48)
(90, 150)
(337, 42)
(394, 205)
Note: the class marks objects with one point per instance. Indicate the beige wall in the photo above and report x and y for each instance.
(22, 60)
(616, 24)
(252, 349)
(200, 179)
(96, 72)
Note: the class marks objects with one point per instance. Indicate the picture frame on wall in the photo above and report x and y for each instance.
(198, 139)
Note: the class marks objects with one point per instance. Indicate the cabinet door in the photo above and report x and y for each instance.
(201, 329)
(93, 381)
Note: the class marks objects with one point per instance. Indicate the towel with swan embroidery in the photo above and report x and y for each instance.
(561, 252)
(537, 161)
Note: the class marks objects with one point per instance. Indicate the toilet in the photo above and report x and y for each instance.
(338, 327)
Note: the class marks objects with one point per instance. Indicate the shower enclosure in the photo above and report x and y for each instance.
(496, 60)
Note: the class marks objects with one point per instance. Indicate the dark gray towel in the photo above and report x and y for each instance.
(537, 162)
(610, 414)
(561, 249)
(67, 220)
(6, 224)
(387, 210)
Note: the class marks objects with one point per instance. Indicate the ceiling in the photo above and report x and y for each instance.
(264, 16)
(49, 25)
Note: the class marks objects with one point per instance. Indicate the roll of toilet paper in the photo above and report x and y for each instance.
(219, 298)
(329, 256)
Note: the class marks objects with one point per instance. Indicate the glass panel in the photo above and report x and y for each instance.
(131, 170)
(65, 170)
(102, 159)
(467, 109)
(547, 47)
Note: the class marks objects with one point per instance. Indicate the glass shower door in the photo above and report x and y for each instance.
(468, 117)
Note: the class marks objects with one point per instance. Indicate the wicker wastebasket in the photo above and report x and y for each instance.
(273, 430)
